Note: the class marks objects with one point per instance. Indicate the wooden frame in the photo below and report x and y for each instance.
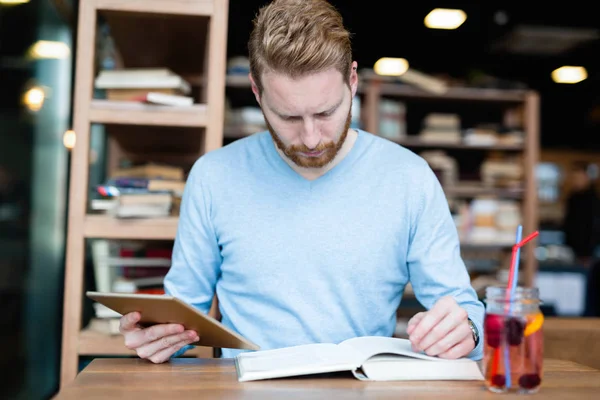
(208, 115)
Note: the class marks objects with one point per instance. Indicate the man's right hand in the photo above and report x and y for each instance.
(156, 343)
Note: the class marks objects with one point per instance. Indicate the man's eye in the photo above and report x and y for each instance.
(325, 114)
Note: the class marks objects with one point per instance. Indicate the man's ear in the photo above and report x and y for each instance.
(354, 78)
(254, 88)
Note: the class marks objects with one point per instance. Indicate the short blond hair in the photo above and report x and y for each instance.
(299, 37)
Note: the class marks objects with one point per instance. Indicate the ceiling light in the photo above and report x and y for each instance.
(48, 49)
(569, 74)
(34, 98)
(69, 139)
(445, 18)
(391, 66)
(14, 1)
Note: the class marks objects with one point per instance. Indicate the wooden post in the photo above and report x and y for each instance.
(531, 159)
(215, 62)
(74, 271)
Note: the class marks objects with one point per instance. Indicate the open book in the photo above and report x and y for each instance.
(368, 358)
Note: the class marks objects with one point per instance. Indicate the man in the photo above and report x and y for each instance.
(309, 232)
(581, 222)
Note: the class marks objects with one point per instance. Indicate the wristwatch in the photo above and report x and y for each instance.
(475, 332)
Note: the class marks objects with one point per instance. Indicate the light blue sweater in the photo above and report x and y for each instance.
(295, 261)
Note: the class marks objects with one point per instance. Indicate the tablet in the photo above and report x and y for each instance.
(163, 309)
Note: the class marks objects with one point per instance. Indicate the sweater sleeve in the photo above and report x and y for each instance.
(435, 266)
(196, 259)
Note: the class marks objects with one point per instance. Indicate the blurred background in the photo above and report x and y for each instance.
(513, 138)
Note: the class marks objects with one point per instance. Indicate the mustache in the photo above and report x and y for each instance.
(303, 149)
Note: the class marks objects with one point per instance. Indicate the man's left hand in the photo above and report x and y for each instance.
(443, 331)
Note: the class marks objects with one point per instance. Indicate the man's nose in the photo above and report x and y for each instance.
(311, 137)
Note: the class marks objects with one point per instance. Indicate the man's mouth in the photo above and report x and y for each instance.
(313, 153)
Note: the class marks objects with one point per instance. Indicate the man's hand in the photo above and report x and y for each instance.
(443, 331)
(156, 343)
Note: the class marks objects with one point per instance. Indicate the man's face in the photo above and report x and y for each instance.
(308, 117)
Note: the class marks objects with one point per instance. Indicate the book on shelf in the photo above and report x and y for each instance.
(426, 82)
(144, 191)
(134, 94)
(138, 204)
(150, 79)
(441, 128)
(367, 358)
(150, 171)
(150, 184)
(165, 99)
(103, 205)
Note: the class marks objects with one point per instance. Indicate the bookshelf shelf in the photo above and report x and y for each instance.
(93, 343)
(185, 7)
(455, 93)
(418, 143)
(107, 227)
(388, 86)
(133, 113)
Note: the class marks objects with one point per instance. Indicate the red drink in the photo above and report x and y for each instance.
(513, 335)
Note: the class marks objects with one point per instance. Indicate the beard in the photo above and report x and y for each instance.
(330, 149)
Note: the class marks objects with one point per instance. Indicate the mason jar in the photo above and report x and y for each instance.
(513, 340)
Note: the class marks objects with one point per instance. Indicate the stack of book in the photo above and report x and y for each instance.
(145, 191)
(441, 128)
(149, 85)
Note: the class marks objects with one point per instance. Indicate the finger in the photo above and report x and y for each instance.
(414, 321)
(166, 354)
(128, 322)
(444, 327)
(448, 341)
(462, 349)
(431, 318)
(136, 339)
(149, 349)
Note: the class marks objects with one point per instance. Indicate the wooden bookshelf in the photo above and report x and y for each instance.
(527, 101)
(190, 38)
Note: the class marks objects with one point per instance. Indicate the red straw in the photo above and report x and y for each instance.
(527, 239)
(513, 260)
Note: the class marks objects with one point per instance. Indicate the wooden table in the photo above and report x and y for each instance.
(215, 378)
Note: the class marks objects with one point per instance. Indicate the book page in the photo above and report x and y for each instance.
(369, 346)
(291, 361)
(386, 358)
(395, 368)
